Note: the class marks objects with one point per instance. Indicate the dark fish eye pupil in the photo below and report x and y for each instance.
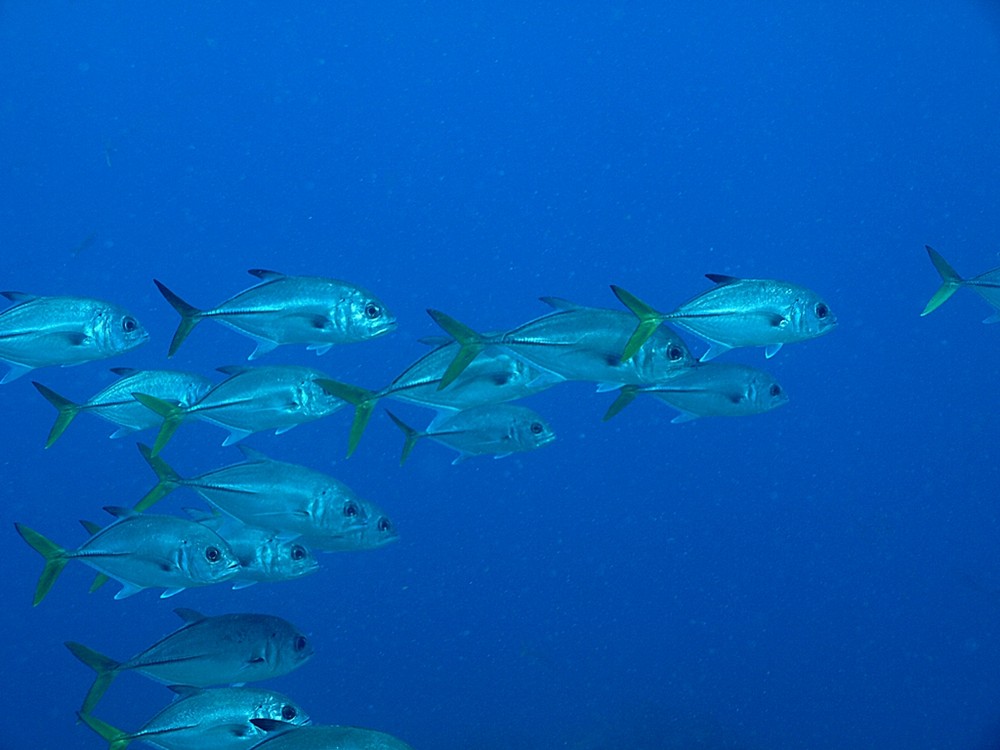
(372, 311)
(287, 712)
(536, 428)
(298, 552)
(822, 310)
(383, 524)
(350, 510)
(300, 642)
(675, 354)
(212, 554)
(128, 325)
(775, 390)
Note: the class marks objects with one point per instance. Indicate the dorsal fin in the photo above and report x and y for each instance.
(19, 296)
(91, 527)
(721, 278)
(123, 371)
(185, 691)
(252, 454)
(119, 512)
(558, 303)
(189, 615)
(232, 369)
(264, 275)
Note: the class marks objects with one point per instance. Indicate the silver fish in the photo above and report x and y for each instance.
(711, 389)
(378, 532)
(738, 312)
(287, 737)
(251, 399)
(986, 285)
(309, 310)
(217, 718)
(117, 405)
(574, 343)
(45, 331)
(206, 651)
(267, 494)
(495, 429)
(141, 551)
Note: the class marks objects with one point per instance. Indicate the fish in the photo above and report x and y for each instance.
(986, 285)
(718, 389)
(206, 651)
(117, 405)
(737, 313)
(378, 532)
(265, 556)
(141, 551)
(495, 429)
(46, 331)
(573, 343)
(282, 736)
(310, 310)
(267, 494)
(251, 399)
(217, 718)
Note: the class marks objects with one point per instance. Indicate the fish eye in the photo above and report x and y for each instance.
(351, 509)
(288, 712)
(298, 552)
(299, 644)
(775, 390)
(537, 428)
(372, 311)
(384, 524)
(129, 324)
(674, 354)
(822, 310)
(212, 554)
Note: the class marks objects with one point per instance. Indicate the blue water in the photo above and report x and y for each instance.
(822, 576)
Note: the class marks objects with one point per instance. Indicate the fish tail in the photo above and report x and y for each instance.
(363, 401)
(470, 344)
(950, 281)
(649, 321)
(172, 415)
(117, 739)
(190, 317)
(412, 436)
(167, 479)
(55, 559)
(105, 667)
(626, 396)
(67, 411)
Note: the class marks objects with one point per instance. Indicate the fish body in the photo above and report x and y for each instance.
(207, 651)
(117, 405)
(712, 389)
(285, 737)
(267, 494)
(737, 313)
(318, 312)
(142, 551)
(45, 331)
(986, 285)
(495, 429)
(251, 399)
(217, 718)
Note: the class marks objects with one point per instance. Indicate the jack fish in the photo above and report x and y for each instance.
(282, 736)
(283, 309)
(986, 285)
(45, 331)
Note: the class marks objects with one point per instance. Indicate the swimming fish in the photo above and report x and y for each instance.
(45, 331)
(495, 429)
(309, 310)
(206, 651)
(251, 399)
(268, 494)
(117, 405)
(718, 389)
(986, 285)
(216, 718)
(378, 532)
(737, 312)
(282, 736)
(141, 551)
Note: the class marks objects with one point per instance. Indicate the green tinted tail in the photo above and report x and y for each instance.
(167, 480)
(626, 396)
(190, 317)
(117, 739)
(67, 411)
(412, 436)
(105, 667)
(470, 344)
(55, 559)
(950, 281)
(363, 401)
(649, 321)
(172, 415)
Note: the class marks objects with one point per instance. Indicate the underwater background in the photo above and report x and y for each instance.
(826, 575)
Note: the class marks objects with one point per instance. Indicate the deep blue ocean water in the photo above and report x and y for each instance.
(826, 575)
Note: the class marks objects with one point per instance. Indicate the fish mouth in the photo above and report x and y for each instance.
(387, 326)
(547, 439)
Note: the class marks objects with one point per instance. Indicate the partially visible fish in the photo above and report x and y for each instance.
(117, 405)
(735, 313)
(378, 532)
(216, 718)
(140, 552)
(711, 389)
(493, 430)
(986, 285)
(45, 331)
(206, 651)
(311, 310)
(282, 736)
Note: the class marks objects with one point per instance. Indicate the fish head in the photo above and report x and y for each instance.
(379, 532)
(295, 559)
(812, 316)
(311, 400)
(116, 330)
(279, 707)
(663, 355)
(287, 648)
(364, 316)
(530, 431)
(339, 509)
(208, 558)
(765, 392)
